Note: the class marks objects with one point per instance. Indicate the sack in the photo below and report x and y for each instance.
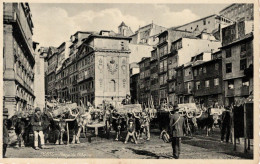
(165, 137)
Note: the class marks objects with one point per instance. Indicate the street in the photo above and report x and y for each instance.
(196, 147)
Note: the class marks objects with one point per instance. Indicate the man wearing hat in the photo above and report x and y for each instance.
(226, 124)
(176, 131)
(37, 128)
(5, 131)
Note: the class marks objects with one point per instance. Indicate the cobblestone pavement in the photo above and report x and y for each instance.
(196, 147)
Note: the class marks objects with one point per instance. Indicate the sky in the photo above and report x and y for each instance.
(55, 23)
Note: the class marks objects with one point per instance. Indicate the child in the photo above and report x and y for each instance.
(130, 130)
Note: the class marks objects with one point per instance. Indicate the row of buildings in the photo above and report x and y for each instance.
(207, 61)
(94, 66)
(23, 63)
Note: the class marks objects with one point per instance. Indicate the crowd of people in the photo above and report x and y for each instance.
(176, 126)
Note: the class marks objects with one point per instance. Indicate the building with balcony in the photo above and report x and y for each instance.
(162, 52)
(144, 80)
(208, 82)
(103, 68)
(154, 80)
(72, 64)
(237, 55)
(18, 57)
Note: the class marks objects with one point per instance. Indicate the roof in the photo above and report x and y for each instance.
(227, 7)
(144, 59)
(197, 20)
(173, 29)
(61, 45)
(247, 36)
(187, 37)
(84, 32)
(102, 36)
(122, 24)
(200, 62)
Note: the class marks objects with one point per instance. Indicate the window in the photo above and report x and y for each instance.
(208, 22)
(200, 70)
(228, 53)
(195, 72)
(204, 22)
(165, 79)
(207, 83)
(112, 85)
(161, 80)
(198, 85)
(242, 64)
(243, 47)
(216, 66)
(179, 73)
(230, 84)
(245, 82)
(204, 70)
(229, 68)
(165, 65)
(216, 82)
(161, 66)
(189, 85)
(187, 72)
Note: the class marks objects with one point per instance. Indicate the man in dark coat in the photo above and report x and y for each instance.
(5, 132)
(36, 122)
(176, 131)
(226, 124)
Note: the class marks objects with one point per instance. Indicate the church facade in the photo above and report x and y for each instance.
(104, 68)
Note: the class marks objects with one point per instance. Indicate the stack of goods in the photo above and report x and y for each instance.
(63, 109)
(137, 108)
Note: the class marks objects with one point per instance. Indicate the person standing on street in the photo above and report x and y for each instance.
(176, 131)
(5, 132)
(37, 128)
(226, 125)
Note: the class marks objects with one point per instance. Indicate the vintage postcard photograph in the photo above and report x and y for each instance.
(164, 81)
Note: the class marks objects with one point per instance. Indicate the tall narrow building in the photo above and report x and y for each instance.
(18, 58)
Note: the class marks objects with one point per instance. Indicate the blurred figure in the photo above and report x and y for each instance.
(226, 124)
(36, 122)
(5, 132)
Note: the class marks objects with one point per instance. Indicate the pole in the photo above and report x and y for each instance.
(245, 136)
(233, 130)
(68, 134)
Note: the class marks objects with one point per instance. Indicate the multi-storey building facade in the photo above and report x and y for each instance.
(18, 57)
(238, 11)
(163, 50)
(147, 34)
(208, 83)
(76, 40)
(51, 72)
(237, 54)
(144, 80)
(103, 68)
(154, 80)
